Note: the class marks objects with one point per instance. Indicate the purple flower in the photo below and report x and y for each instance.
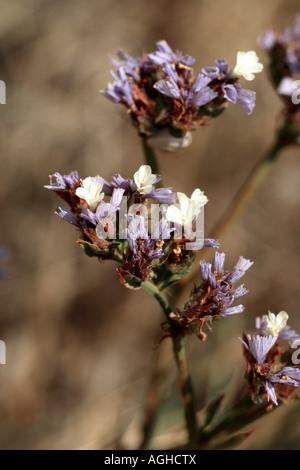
(162, 195)
(267, 40)
(215, 296)
(67, 216)
(222, 283)
(220, 70)
(231, 90)
(268, 368)
(120, 91)
(129, 64)
(127, 184)
(247, 98)
(60, 182)
(284, 52)
(259, 346)
(104, 209)
(287, 376)
(164, 56)
(170, 86)
(194, 93)
(143, 247)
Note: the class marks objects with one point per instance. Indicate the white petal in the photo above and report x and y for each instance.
(174, 214)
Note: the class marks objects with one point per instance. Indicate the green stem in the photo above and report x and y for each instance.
(160, 297)
(151, 159)
(186, 387)
(183, 364)
(254, 181)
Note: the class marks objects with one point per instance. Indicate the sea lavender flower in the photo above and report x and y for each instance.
(214, 297)
(185, 214)
(259, 346)
(144, 253)
(271, 374)
(166, 99)
(91, 191)
(60, 182)
(165, 56)
(284, 53)
(144, 179)
(142, 186)
(247, 65)
(111, 219)
(283, 49)
(275, 325)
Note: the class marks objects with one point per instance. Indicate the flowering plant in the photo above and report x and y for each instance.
(156, 235)
(165, 97)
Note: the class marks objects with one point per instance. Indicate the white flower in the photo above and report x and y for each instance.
(144, 179)
(247, 65)
(276, 323)
(90, 191)
(188, 207)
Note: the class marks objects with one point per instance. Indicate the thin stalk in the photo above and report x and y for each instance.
(221, 229)
(186, 387)
(183, 365)
(150, 159)
(160, 297)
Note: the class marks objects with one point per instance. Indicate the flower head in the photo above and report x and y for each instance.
(214, 297)
(276, 323)
(164, 56)
(247, 65)
(114, 220)
(91, 191)
(60, 182)
(188, 208)
(144, 179)
(284, 70)
(259, 346)
(162, 92)
(270, 371)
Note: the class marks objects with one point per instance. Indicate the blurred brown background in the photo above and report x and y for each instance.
(80, 346)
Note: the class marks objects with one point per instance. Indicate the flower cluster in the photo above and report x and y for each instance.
(214, 297)
(116, 222)
(271, 374)
(165, 97)
(284, 51)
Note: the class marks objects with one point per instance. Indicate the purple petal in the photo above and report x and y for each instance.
(271, 392)
(246, 98)
(67, 216)
(267, 40)
(168, 87)
(204, 96)
(230, 93)
(219, 262)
